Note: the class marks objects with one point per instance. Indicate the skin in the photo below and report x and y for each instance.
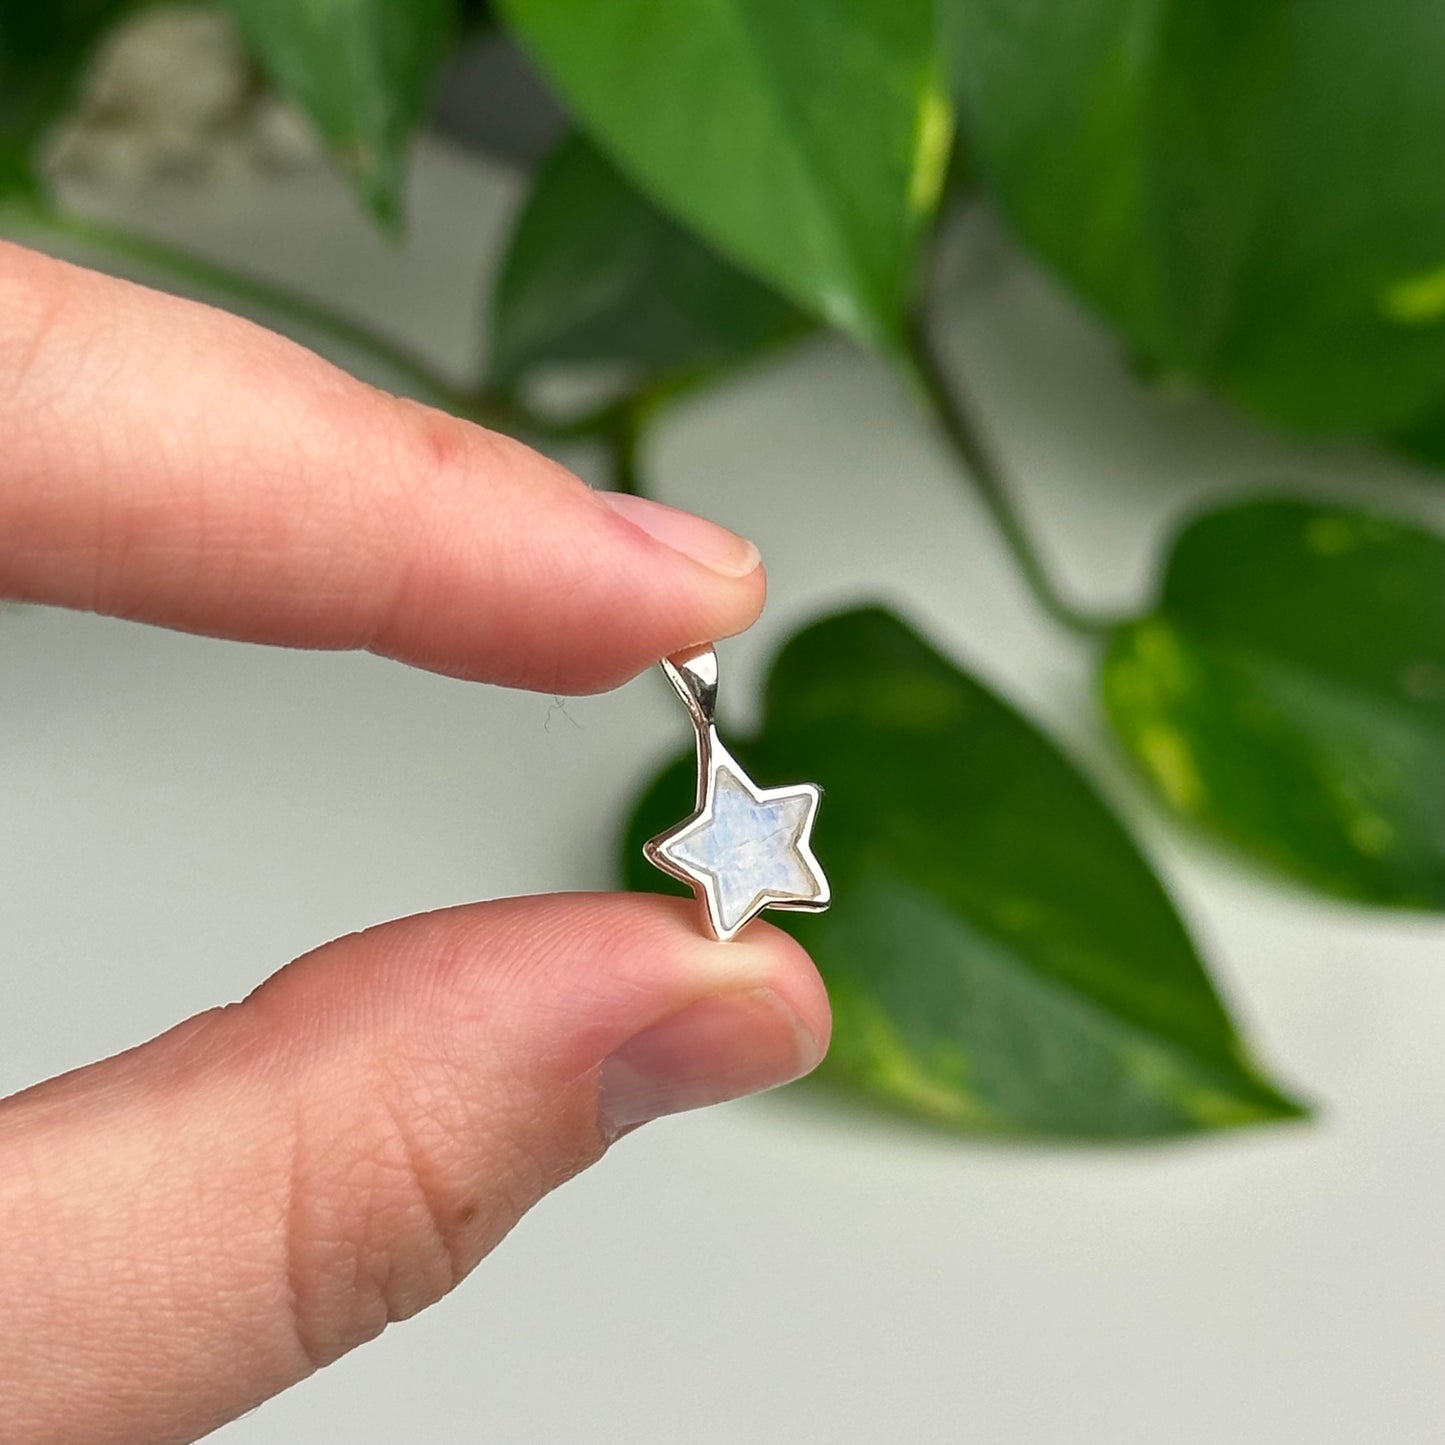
(198, 1223)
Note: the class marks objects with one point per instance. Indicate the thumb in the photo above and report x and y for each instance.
(196, 1224)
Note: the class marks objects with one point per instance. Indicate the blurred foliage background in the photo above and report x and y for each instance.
(1251, 193)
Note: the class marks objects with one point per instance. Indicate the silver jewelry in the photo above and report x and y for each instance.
(744, 848)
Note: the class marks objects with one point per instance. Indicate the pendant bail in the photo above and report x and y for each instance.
(694, 676)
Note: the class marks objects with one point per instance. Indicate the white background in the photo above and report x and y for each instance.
(181, 816)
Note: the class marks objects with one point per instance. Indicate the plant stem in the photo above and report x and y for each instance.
(952, 411)
(240, 287)
(481, 405)
(624, 443)
(619, 424)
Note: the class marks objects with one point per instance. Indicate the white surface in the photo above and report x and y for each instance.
(182, 816)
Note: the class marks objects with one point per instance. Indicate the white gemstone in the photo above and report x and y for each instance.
(750, 848)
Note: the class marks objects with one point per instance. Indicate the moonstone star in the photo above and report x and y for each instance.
(746, 848)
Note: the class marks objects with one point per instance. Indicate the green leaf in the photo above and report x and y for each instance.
(595, 272)
(1289, 693)
(18, 180)
(43, 47)
(362, 70)
(1000, 958)
(1250, 189)
(806, 141)
(1424, 439)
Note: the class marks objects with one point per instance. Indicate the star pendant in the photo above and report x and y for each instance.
(744, 848)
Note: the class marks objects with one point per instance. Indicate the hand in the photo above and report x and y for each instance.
(196, 1224)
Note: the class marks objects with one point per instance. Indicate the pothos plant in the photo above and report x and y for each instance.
(1251, 192)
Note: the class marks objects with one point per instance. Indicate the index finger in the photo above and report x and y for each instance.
(168, 462)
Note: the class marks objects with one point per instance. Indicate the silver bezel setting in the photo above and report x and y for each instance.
(694, 677)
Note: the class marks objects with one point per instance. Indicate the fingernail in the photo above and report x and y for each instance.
(716, 1049)
(715, 547)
